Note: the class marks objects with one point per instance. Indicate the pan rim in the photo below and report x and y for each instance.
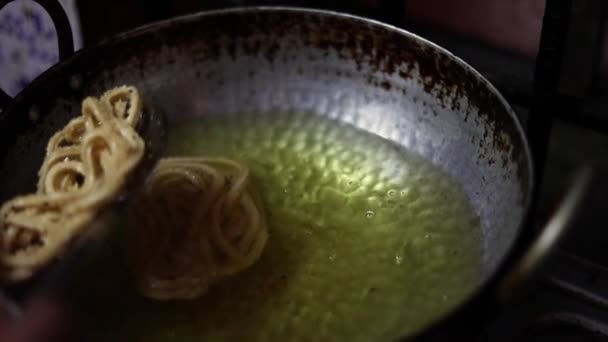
(61, 66)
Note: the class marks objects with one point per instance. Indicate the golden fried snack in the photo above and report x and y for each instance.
(196, 221)
(86, 165)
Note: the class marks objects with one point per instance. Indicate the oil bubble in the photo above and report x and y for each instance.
(398, 259)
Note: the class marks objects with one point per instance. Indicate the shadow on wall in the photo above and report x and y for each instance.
(127, 14)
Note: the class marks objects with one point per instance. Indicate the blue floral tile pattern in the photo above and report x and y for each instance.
(28, 42)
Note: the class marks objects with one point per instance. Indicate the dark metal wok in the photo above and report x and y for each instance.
(374, 76)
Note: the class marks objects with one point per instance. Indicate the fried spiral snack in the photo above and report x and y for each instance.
(85, 166)
(196, 221)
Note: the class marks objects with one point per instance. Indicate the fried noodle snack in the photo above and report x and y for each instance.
(86, 165)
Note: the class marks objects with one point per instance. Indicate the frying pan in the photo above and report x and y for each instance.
(379, 78)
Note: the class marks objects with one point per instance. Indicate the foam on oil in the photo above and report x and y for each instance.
(367, 242)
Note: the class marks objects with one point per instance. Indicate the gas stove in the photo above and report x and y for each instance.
(565, 302)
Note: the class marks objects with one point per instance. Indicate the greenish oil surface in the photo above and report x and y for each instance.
(367, 242)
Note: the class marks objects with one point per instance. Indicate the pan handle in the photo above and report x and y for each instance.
(65, 42)
(532, 255)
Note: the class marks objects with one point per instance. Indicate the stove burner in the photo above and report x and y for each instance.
(565, 326)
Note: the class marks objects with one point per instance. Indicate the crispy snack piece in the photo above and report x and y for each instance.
(86, 164)
(196, 221)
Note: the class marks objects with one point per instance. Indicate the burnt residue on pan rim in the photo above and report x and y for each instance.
(354, 38)
(379, 46)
